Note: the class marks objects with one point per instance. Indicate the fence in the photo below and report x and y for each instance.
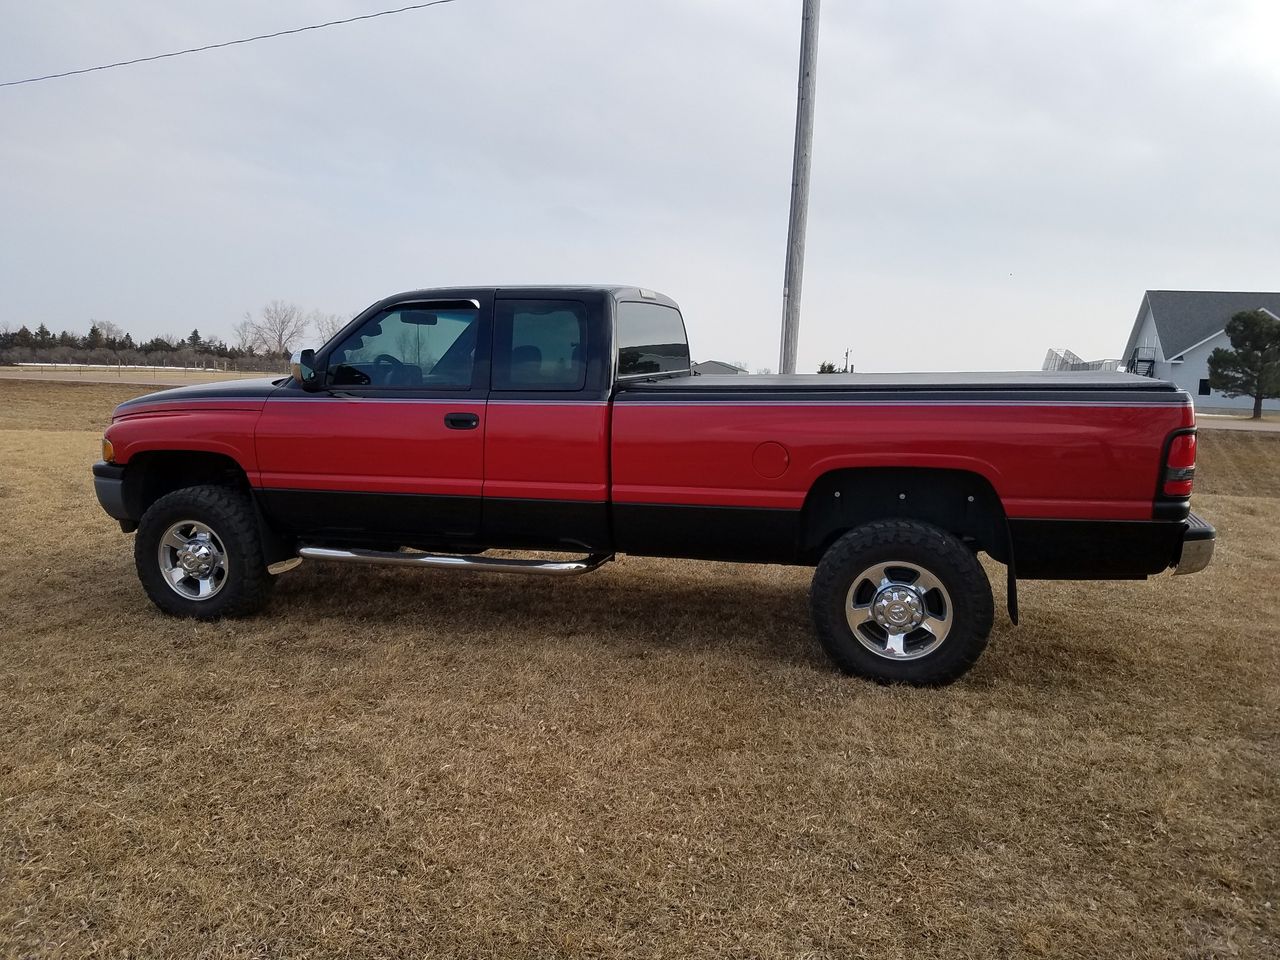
(228, 370)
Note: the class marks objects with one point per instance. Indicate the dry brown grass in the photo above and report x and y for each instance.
(652, 761)
(40, 405)
(1238, 463)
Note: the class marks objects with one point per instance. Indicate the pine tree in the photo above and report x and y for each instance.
(1252, 367)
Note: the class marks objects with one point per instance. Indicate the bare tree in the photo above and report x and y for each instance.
(281, 325)
(326, 324)
(274, 333)
(246, 334)
(110, 331)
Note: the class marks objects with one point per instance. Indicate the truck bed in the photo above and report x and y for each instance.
(1069, 449)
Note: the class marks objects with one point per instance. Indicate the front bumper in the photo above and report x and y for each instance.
(108, 484)
(1198, 539)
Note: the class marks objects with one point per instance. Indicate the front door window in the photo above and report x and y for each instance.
(412, 346)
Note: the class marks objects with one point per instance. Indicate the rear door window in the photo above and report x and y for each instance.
(539, 345)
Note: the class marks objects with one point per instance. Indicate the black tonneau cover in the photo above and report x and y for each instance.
(1033, 386)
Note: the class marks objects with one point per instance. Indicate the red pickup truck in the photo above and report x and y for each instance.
(442, 424)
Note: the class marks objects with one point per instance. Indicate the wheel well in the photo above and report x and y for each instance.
(149, 476)
(154, 473)
(958, 501)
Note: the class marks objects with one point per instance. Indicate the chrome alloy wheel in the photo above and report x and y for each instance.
(899, 610)
(193, 560)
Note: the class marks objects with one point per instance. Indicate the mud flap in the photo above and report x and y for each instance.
(1011, 582)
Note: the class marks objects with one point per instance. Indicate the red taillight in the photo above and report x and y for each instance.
(1180, 467)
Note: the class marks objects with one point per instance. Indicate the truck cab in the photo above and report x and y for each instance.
(436, 403)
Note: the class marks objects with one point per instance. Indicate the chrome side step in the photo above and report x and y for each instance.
(433, 561)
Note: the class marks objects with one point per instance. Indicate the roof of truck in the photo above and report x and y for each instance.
(619, 291)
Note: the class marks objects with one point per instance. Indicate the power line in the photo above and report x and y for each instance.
(229, 43)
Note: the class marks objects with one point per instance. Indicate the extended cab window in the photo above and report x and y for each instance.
(651, 339)
(415, 345)
(539, 345)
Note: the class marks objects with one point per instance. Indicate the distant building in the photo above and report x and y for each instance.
(1061, 359)
(716, 368)
(1176, 330)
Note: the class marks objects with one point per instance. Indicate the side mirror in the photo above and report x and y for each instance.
(302, 369)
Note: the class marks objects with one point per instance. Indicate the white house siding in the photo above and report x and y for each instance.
(1195, 367)
(1147, 335)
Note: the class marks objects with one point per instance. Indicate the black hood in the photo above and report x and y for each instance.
(257, 389)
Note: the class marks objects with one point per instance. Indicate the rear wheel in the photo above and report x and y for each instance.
(900, 601)
(199, 554)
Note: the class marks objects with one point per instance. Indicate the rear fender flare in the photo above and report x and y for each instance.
(963, 502)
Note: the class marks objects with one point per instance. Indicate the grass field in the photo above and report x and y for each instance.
(653, 761)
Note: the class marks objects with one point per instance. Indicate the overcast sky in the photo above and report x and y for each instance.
(990, 178)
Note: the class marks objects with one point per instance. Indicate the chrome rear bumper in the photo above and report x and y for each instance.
(1198, 540)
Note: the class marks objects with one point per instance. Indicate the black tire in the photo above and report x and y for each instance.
(229, 513)
(946, 558)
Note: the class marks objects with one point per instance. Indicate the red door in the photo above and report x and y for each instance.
(547, 439)
(391, 451)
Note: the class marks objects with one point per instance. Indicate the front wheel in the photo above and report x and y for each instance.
(900, 601)
(199, 554)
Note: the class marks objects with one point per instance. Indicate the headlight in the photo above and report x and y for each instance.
(108, 451)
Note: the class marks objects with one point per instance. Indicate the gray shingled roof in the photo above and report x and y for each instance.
(1187, 317)
(717, 367)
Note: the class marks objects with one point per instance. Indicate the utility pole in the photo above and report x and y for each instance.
(794, 278)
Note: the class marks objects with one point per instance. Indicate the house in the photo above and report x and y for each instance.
(716, 368)
(1176, 330)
